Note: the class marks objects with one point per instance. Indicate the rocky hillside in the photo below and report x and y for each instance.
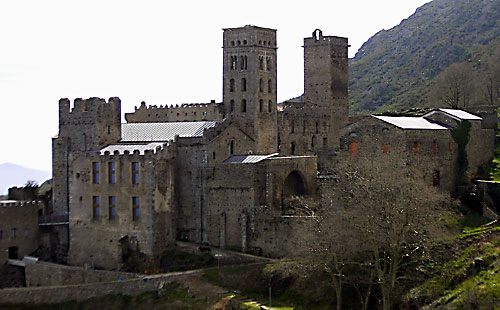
(395, 69)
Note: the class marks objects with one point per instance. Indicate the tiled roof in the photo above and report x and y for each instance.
(121, 148)
(410, 122)
(146, 132)
(248, 159)
(460, 114)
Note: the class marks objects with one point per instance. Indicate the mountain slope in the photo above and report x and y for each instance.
(15, 175)
(394, 68)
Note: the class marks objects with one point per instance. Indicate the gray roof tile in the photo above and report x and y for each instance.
(149, 132)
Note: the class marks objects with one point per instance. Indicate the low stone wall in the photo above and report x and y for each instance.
(57, 294)
(47, 274)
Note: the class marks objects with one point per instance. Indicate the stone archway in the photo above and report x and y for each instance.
(293, 185)
(292, 195)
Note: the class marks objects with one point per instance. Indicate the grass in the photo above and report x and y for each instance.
(177, 260)
(460, 280)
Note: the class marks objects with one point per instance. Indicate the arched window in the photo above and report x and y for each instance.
(268, 63)
(231, 106)
(231, 147)
(269, 86)
(261, 103)
(317, 127)
(270, 106)
(234, 62)
(243, 84)
(231, 85)
(244, 105)
(261, 85)
(261, 62)
(313, 141)
(292, 148)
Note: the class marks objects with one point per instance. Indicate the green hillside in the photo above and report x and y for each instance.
(396, 68)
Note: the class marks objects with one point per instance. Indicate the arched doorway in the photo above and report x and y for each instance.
(293, 186)
(293, 191)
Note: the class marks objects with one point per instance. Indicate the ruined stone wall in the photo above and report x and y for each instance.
(57, 294)
(107, 242)
(47, 274)
(184, 113)
(18, 229)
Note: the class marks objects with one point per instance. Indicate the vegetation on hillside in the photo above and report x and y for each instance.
(396, 68)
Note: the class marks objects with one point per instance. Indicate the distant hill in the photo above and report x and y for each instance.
(395, 68)
(15, 175)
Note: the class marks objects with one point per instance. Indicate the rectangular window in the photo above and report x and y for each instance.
(112, 208)
(111, 172)
(135, 173)
(136, 214)
(415, 147)
(1, 234)
(13, 233)
(26, 232)
(95, 173)
(96, 210)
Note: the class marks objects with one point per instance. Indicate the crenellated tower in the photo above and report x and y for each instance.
(249, 85)
(90, 125)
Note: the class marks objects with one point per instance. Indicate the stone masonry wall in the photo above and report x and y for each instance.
(47, 274)
(18, 229)
(185, 113)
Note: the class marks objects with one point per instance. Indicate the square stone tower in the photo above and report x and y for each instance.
(326, 80)
(249, 85)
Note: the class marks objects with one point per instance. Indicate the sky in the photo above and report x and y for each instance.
(160, 52)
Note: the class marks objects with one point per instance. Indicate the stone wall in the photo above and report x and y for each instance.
(47, 274)
(57, 294)
(185, 113)
(107, 242)
(19, 234)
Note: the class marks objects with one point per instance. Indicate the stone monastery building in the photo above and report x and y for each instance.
(218, 173)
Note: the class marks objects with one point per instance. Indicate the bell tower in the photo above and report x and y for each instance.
(249, 85)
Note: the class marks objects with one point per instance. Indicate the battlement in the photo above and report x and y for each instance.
(19, 203)
(176, 113)
(86, 105)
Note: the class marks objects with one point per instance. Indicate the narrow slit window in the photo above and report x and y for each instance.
(111, 172)
(136, 211)
(244, 105)
(96, 209)
(112, 208)
(95, 173)
(135, 173)
(231, 85)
